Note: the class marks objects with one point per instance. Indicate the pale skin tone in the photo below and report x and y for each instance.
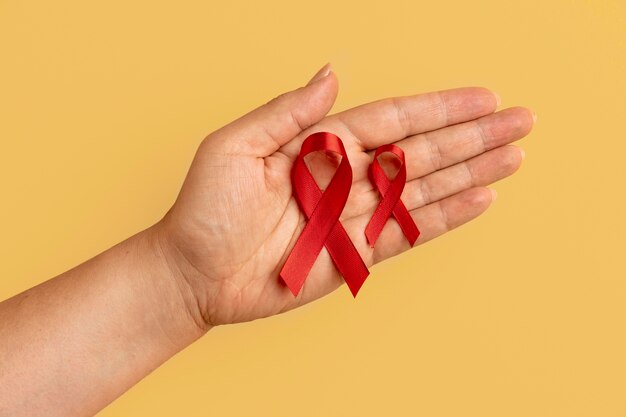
(74, 343)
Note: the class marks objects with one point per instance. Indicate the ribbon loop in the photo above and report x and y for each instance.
(323, 227)
(390, 204)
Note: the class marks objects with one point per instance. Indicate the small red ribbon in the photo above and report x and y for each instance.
(390, 203)
(323, 227)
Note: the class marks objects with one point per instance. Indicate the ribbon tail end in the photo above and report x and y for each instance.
(415, 236)
(371, 238)
(292, 284)
(355, 283)
(354, 291)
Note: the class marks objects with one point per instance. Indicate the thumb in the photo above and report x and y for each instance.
(264, 130)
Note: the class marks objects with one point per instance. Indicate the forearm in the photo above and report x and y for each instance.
(73, 344)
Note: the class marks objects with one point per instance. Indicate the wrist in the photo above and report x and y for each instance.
(173, 295)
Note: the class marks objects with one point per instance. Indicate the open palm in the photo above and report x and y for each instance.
(235, 221)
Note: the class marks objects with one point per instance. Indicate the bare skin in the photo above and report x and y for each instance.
(74, 343)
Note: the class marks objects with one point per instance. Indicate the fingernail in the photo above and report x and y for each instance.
(498, 99)
(523, 153)
(494, 194)
(323, 72)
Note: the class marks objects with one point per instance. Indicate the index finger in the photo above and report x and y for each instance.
(392, 119)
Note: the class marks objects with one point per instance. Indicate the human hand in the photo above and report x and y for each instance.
(235, 221)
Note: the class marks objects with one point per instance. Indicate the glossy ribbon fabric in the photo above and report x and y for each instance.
(390, 204)
(323, 227)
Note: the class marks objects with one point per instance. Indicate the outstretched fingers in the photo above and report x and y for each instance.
(481, 170)
(393, 119)
(432, 151)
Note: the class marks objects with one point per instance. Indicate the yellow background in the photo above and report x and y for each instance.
(520, 313)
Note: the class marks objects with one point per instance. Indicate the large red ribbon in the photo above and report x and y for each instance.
(323, 227)
(390, 204)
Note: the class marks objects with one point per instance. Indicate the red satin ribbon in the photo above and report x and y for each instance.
(323, 227)
(390, 203)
